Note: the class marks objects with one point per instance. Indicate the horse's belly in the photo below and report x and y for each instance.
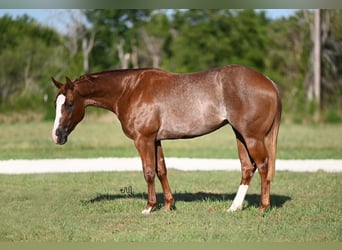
(191, 125)
(191, 112)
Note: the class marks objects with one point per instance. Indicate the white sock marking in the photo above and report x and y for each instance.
(240, 196)
(147, 210)
(59, 102)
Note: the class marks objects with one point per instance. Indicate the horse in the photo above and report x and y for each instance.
(154, 105)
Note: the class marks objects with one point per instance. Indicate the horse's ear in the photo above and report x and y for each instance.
(68, 80)
(69, 84)
(57, 84)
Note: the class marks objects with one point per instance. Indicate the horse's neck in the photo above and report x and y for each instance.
(102, 92)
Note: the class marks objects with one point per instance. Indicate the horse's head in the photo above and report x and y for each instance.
(70, 110)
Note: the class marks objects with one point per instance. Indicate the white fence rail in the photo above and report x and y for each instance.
(134, 164)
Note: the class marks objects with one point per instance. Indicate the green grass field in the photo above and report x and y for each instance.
(87, 207)
(105, 139)
(92, 207)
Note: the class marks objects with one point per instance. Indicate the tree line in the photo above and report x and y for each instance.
(175, 40)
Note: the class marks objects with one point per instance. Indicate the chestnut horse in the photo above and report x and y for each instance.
(154, 105)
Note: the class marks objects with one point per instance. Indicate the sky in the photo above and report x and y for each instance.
(58, 18)
(49, 17)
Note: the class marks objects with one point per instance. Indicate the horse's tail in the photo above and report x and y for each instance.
(271, 142)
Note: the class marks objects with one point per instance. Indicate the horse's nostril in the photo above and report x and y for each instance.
(58, 132)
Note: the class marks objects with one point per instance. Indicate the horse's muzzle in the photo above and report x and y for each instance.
(62, 136)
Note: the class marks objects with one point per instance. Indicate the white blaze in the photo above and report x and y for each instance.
(240, 196)
(59, 102)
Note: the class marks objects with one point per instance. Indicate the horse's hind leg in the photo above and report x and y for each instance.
(162, 175)
(257, 150)
(247, 170)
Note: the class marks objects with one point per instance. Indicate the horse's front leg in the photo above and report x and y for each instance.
(147, 150)
(162, 175)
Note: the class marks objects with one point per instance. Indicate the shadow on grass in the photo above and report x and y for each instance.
(277, 201)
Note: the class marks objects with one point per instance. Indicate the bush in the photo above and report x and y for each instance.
(332, 116)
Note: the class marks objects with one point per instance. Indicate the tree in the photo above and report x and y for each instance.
(287, 60)
(290, 62)
(331, 65)
(176, 40)
(211, 38)
(28, 51)
(155, 34)
(117, 33)
(79, 32)
(322, 79)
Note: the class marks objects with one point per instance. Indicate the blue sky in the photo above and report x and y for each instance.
(49, 17)
(58, 17)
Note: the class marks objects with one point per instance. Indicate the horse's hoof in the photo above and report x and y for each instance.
(167, 209)
(147, 210)
(263, 209)
(234, 208)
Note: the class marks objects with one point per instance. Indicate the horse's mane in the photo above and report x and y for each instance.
(86, 82)
(86, 77)
(93, 76)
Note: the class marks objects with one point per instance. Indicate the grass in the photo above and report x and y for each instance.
(98, 138)
(92, 207)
